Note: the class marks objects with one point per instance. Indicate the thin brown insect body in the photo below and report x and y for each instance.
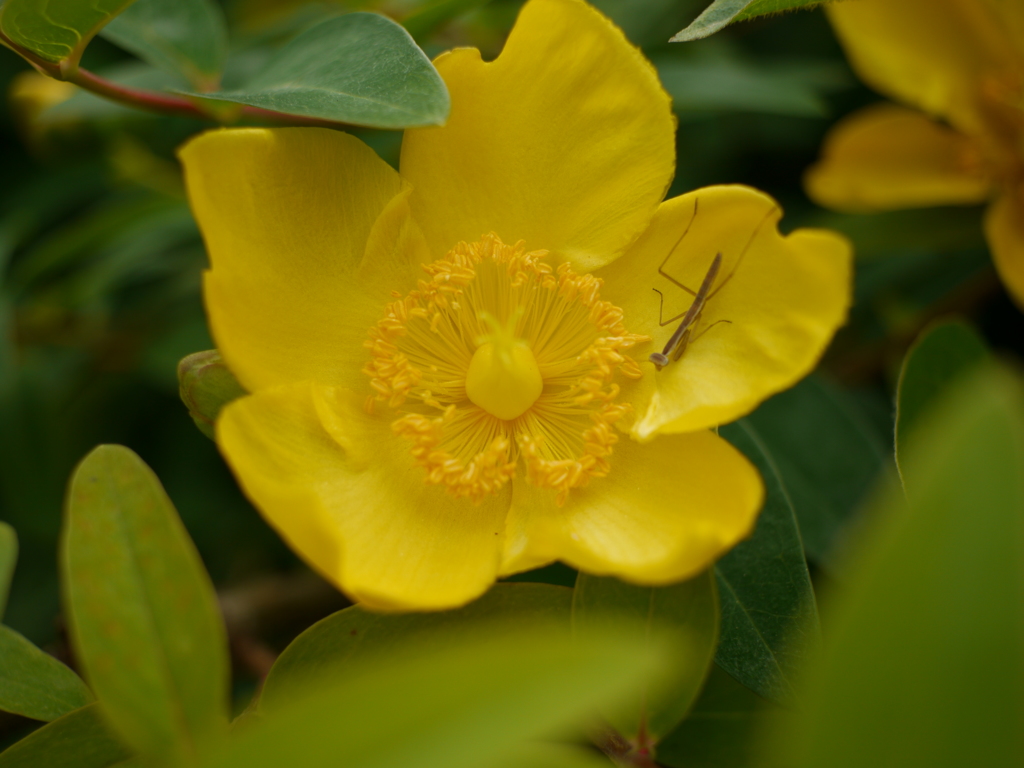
(677, 342)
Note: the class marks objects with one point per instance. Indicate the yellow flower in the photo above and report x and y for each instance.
(447, 365)
(960, 62)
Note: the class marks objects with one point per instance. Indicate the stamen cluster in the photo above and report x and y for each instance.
(422, 348)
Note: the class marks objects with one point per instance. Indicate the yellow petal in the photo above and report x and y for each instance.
(933, 54)
(345, 494)
(667, 510)
(771, 312)
(1004, 229)
(566, 140)
(887, 157)
(286, 215)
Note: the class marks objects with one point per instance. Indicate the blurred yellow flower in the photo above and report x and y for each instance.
(961, 62)
(441, 361)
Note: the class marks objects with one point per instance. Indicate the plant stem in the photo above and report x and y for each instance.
(153, 101)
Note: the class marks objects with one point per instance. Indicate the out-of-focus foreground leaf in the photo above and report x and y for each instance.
(683, 617)
(769, 615)
(349, 636)
(360, 68)
(827, 454)
(467, 700)
(924, 664)
(722, 730)
(942, 354)
(81, 739)
(33, 683)
(8, 559)
(183, 37)
(57, 30)
(144, 618)
(722, 13)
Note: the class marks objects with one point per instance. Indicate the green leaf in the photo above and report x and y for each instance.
(8, 559)
(430, 15)
(731, 85)
(769, 615)
(923, 665)
(57, 30)
(144, 618)
(350, 635)
(33, 683)
(943, 353)
(547, 755)
(206, 385)
(81, 739)
(827, 454)
(682, 616)
(722, 730)
(183, 37)
(360, 69)
(460, 701)
(722, 13)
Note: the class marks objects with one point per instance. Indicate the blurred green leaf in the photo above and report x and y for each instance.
(143, 614)
(942, 354)
(8, 559)
(769, 615)
(430, 15)
(57, 30)
(360, 69)
(549, 755)
(33, 683)
(722, 729)
(206, 385)
(722, 13)
(880, 236)
(923, 665)
(460, 701)
(183, 37)
(645, 21)
(80, 739)
(795, 88)
(350, 635)
(682, 616)
(827, 454)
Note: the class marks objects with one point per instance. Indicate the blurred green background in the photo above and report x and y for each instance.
(100, 266)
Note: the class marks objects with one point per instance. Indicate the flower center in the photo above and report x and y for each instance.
(503, 377)
(495, 361)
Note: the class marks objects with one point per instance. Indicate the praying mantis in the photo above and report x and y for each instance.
(679, 340)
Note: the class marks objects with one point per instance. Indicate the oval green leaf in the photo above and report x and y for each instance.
(33, 683)
(828, 455)
(81, 739)
(182, 37)
(682, 616)
(8, 559)
(350, 635)
(769, 614)
(358, 69)
(460, 701)
(923, 664)
(722, 730)
(142, 611)
(57, 30)
(722, 13)
(943, 353)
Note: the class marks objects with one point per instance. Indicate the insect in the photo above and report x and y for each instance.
(679, 340)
